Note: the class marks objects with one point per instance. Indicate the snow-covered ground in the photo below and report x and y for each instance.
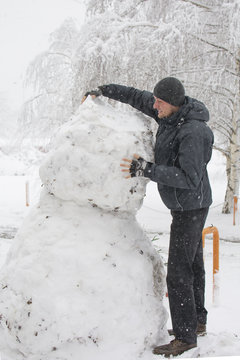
(223, 338)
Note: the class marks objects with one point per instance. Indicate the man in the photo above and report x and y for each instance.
(182, 151)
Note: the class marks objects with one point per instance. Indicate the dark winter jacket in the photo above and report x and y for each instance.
(182, 151)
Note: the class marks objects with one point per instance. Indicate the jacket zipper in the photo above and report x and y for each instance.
(175, 191)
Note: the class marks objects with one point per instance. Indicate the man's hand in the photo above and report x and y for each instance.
(93, 93)
(135, 167)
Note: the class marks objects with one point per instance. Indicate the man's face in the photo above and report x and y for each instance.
(164, 109)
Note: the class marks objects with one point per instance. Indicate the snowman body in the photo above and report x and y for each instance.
(82, 280)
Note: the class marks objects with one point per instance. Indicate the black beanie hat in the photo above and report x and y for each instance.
(170, 90)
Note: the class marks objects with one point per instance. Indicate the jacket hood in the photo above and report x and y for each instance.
(195, 109)
(191, 109)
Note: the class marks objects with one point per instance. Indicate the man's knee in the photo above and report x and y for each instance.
(179, 279)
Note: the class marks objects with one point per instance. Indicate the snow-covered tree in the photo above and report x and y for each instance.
(125, 42)
(109, 47)
(226, 92)
(52, 75)
(211, 72)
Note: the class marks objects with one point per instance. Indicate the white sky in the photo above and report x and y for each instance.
(25, 26)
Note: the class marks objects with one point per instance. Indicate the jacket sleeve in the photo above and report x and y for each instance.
(140, 100)
(194, 153)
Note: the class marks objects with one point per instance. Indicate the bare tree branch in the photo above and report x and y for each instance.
(221, 150)
(214, 45)
(197, 4)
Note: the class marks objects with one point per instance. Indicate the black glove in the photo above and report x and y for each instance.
(97, 92)
(137, 167)
(140, 167)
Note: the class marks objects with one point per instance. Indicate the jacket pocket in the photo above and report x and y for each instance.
(169, 198)
(189, 199)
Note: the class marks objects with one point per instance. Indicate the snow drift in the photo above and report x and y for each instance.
(82, 280)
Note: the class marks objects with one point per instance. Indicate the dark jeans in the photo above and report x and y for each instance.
(186, 274)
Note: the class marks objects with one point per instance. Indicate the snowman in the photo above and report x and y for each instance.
(82, 280)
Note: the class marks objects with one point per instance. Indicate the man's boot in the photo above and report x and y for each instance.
(174, 348)
(201, 330)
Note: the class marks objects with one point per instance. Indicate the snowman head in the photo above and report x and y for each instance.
(84, 165)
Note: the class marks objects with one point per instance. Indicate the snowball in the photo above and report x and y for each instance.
(84, 165)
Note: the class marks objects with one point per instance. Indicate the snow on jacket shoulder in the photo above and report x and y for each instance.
(182, 151)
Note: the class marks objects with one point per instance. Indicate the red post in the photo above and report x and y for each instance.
(213, 230)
